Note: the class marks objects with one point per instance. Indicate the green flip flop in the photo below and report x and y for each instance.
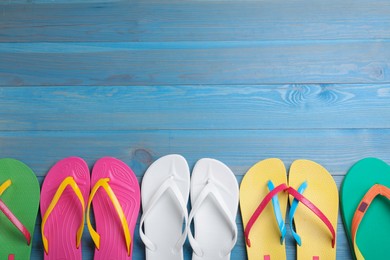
(19, 201)
(365, 207)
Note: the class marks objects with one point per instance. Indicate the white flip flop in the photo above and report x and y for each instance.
(214, 200)
(164, 193)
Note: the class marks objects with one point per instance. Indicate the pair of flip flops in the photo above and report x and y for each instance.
(19, 201)
(315, 221)
(365, 207)
(166, 187)
(67, 193)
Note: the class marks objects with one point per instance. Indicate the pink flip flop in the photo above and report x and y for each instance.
(115, 196)
(64, 195)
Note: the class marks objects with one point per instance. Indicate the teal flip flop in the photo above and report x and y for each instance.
(366, 215)
(19, 200)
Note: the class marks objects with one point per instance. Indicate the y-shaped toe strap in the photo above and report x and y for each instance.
(315, 210)
(211, 190)
(361, 210)
(168, 185)
(104, 183)
(273, 192)
(11, 217)
(69, 181)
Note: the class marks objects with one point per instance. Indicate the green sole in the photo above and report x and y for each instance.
(373, 234)
(22, 198)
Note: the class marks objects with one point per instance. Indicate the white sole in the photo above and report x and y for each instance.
(164, 224)
(211, 228)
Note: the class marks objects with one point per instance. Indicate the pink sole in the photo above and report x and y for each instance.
(126, 188)
(63, 222)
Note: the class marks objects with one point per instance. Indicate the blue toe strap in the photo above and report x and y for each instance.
(278, 213)
(293, 208)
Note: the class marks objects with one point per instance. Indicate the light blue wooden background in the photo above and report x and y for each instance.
(238, 81)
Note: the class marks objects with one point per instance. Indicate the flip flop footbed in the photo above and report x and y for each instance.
(124, 184)
(213, 233)
(22, 199)
(264, 235)
(63, 222)
(322, 192)
(372, 235)
(164, 224)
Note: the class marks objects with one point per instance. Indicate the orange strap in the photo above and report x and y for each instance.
(374, 191)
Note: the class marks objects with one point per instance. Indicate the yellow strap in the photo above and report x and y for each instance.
(358, 254)
(69, 181)
(5, 186)
(103, 183)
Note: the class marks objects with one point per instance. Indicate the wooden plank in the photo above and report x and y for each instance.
(337, 150)
(179, 46)
(9, 2)
(156, 21)
(195, 107)
(78, 64)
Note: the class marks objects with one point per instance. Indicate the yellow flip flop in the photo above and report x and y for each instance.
(316, 220)
(263, 223)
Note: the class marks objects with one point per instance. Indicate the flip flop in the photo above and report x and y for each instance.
(264, 226)
(165, 191)
(115, 196)
(214, 200)
(64, 193)
(316, 220)
(365, 214)
(19, 200)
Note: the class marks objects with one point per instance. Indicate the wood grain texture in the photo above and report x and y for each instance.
(195, 107)
(262, 63)
(9, 2)
(162, 21)
(337, 150)
(238, 81)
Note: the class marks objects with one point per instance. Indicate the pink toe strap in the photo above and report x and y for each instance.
(315, 210)
(260, 208)
(14, 220)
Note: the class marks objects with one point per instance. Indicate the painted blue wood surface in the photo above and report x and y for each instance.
(194, 20)
(336, 149)
(238, 81)
(270, 62)
(195, 107)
